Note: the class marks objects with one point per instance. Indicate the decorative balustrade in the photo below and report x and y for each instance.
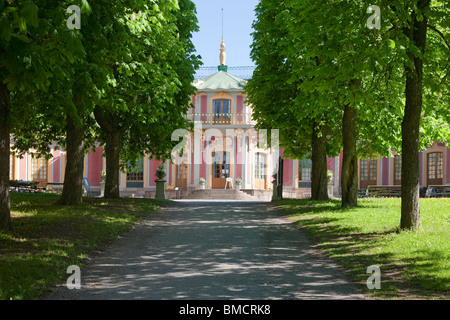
(222, 118)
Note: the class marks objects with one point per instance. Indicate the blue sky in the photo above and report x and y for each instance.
(238, 19)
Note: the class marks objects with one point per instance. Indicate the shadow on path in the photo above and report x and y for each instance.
(212, 250)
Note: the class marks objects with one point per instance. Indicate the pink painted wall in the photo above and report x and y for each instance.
(204, 105)
(288, 178)
(238, 161)
(239, 108)
(448, 165)
(95, 166)
(154, 164)
(420, 168)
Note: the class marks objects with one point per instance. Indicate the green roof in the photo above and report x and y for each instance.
(220, 80)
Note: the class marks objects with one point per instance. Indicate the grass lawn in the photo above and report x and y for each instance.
(47, 238)
(413, 264)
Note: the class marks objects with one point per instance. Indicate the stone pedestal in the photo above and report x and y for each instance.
(275, 190)
(102, 189)
(160, 188)
(330, 190)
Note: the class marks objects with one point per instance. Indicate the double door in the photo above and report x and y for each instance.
(435, 166)
(367, 173)
(220, 169)
(260, 171)
(39, 171)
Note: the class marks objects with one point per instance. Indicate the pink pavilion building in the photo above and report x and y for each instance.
(225, 148)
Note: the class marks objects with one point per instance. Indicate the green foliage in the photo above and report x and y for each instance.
(270, 100)
(133, 61)
(160, 172)
(313, 58)
(414, 264)
(336, 56)
(329, 175)
(151, 80)
(38, 57)
(396, 27)
(34, 44)
(48, 238)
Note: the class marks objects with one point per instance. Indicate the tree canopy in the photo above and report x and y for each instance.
(323, 63)
(131, 62)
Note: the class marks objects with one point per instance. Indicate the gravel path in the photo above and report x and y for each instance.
(212, 250)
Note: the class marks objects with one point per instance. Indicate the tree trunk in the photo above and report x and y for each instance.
(410, 210)
(319, 178)
(113, 143)
(5, 214)
(349, 182)
(73, 182)
(112, 150)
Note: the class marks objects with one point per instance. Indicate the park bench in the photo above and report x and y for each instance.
(438, 192)
(54, 185)
(384, 191)
(362, 193)
(24, 186)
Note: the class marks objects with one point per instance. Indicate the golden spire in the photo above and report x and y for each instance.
(223, 55)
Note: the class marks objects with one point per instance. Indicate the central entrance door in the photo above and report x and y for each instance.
(220, 169)
(260, 171)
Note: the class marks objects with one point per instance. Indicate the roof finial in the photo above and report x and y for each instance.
(223, 55)
(222, 23)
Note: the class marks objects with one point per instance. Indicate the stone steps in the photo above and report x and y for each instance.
(219, 194)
